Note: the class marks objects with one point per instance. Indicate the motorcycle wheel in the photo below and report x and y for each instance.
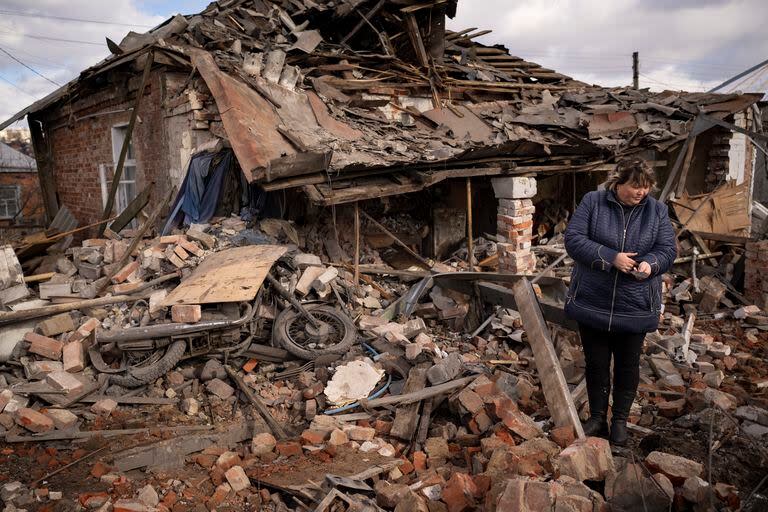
(295, 334)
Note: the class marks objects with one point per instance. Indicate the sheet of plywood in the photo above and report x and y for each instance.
(234, 275)
(725, 211)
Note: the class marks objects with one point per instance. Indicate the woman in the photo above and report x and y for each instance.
(622, 242)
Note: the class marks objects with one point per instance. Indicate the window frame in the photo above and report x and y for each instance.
(17, 199)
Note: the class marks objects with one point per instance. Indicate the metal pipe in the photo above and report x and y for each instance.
(174, 329)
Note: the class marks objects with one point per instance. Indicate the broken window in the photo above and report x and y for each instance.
(9, 201)
(126, 189)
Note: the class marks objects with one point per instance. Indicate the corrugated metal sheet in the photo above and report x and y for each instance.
(752, 80)
(12, 160)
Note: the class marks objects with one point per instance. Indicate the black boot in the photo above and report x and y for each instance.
(597, 424)
(622, 403)
(619, 432)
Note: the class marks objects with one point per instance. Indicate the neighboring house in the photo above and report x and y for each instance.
(21, 204)
(753, 80)
(334, 103)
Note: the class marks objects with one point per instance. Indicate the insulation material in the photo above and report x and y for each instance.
(353, 381)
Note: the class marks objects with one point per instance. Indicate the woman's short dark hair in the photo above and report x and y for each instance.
(631, 170)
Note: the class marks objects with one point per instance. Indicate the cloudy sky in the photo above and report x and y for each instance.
(683, 44)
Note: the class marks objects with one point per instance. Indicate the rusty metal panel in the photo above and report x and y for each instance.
(331, 124)
(249, 119)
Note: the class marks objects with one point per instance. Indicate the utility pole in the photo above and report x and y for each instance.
(635, 70)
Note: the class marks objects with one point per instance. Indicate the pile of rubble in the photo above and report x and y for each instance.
(410, 415)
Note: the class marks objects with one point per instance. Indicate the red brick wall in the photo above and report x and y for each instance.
(80, 141)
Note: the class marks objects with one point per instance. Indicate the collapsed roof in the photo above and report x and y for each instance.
(362, 98)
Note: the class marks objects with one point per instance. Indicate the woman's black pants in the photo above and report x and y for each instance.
(599, 347)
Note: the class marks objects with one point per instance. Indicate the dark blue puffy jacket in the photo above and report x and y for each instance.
(600, 295)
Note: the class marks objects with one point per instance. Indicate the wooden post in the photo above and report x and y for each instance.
(686, 166)
(357, 243)
(553, 384)
(42, 148)
(126, 143)
(406, 421)
(635, 70)
(470, 243)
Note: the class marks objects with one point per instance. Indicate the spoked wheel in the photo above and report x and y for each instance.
(335, 334)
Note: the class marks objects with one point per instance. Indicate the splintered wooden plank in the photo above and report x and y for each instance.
(553, 384)
(407, 416)
(234, 275)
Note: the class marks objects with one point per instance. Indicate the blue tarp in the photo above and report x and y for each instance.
(200, 191)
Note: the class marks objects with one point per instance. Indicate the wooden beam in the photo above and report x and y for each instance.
(42, 148)
(275, 426)
(365, 20)
(686, 166)
(553, 384)
(409, 398)
(418, 43)
(407, 416)
(126, 142)
(357, 243)
(699, 126)
(132, 210)
(470, 244)
(9, 317)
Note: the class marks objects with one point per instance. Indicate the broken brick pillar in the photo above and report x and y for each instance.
(756, 273)
(514, 223)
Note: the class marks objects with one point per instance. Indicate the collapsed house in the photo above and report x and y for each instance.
(357, 154)
(336, 103)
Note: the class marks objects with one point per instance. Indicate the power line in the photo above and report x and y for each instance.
(16, 86)
(33, 58)
(676, 86)
(28, 67)
(64, 18)
(46, 38)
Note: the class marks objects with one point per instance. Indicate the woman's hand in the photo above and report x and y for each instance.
(624, 261)
(645, 268)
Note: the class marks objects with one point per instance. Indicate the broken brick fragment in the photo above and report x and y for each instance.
(459, 493)
(676, 468)
(124, 272)
(228, 459)
(99, 469)
(33, 420)
(314, 437)
(44, 346)
(563, 436)
(586, 459)
(237, 478)
(288, 449)
(186, 313)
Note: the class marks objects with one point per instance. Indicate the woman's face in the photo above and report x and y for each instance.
(631, 193)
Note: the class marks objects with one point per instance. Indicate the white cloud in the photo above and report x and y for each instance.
(690, 45)
(687, 44)
(58, 60)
